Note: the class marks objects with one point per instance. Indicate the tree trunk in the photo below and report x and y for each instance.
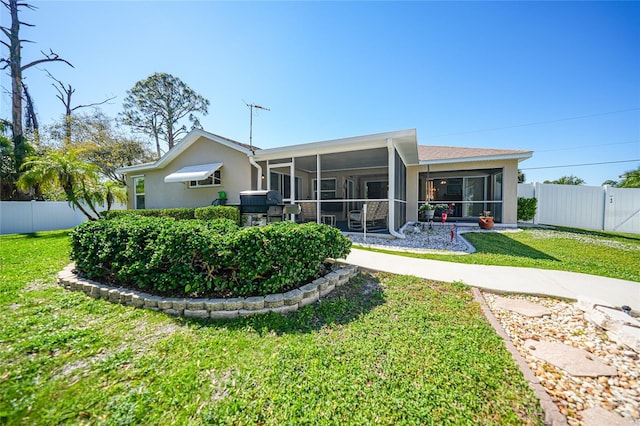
(79, 206)
(155, 134)
(16, 68)
(16, 86)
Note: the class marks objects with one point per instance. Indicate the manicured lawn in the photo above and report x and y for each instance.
(384, 349)
(591, 252)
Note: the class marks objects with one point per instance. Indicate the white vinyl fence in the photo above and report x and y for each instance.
(589, 207)
(18, 217)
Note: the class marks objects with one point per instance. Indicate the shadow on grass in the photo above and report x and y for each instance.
(603, 234)
(501, 244)
(343, 305)
(42, 235)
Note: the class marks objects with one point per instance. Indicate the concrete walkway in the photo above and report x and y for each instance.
(563, 284)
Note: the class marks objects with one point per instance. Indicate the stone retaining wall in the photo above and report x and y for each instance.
(211, 308)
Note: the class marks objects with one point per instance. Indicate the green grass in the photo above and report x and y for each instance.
(606, 254)
(383, 349)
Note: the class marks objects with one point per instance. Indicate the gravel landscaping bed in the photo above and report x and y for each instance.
(421, 238)
(566, 325)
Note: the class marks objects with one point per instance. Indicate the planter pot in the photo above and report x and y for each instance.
(485, 222)
(425, 215)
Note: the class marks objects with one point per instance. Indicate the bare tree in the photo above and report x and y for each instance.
(16, 68)
(64, 94)
(31, 122)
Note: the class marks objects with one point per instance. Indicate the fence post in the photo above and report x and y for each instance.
(607, 206)
(537, 186)
(32, 204)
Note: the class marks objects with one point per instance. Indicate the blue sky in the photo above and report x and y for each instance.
(559, 78)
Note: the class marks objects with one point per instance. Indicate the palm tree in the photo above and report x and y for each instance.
(630, 179)
(112, 192)
(567, 180)
(79, 180)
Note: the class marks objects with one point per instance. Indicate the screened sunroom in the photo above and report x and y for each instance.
(332, 181)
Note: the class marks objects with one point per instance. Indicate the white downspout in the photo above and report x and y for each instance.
(318, 182)
(259, 168)
(392, 189)
(292, 186)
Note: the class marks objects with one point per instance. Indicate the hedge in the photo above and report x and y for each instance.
(198, 257)
(527, 208)
(218, 212)
(175, 213)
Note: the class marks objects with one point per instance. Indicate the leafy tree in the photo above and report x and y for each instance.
(630, 179)
(13, 61)
(610, 182)
(8, 173)
(521, 176)
(155, 105)
(567, 180)
(7, 165)
(79, 180)
(96, 139)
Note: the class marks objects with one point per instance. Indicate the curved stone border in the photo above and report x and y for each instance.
(552, 415)
(211, 308)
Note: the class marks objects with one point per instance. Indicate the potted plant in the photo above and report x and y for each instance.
(427, 210)
(486, 220)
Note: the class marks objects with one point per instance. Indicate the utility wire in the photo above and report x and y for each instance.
(586, 146)
(583, 164)
(534, 123)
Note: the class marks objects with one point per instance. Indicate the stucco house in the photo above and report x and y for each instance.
(386, 169)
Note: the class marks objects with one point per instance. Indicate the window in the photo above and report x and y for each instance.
(282, 183)
(327, 188)
(138, 185)
(376, 189)
(471, 191)
(214, 180)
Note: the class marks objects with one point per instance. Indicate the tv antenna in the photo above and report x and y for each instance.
(251, 108)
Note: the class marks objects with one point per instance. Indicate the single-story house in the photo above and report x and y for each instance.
(388, 171)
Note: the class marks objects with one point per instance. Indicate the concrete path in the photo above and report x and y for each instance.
(563, 284)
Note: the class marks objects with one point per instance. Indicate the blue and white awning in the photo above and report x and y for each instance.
(186, 174)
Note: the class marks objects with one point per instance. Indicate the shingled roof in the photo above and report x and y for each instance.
(243, 145)
(443, 153)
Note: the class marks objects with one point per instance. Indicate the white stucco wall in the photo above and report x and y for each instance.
(236, 175)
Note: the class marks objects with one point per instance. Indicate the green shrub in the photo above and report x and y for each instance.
(269, 258)
(117, 249)
(222, 226)
(175, 213)
(204, 257)
(114, 214)
(218, 212)
(527, 208)
(179, 213)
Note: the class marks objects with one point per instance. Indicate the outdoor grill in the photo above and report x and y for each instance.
(261, 206)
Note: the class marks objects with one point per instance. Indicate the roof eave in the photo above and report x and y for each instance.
(185, 143)
(521, 156)
(378, 140)
(137, 168)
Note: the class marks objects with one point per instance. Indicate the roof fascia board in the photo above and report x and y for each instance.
(356, 143)
(299, 151)
(519, 157)
(180, 147)
(189, 139)
(136, 168)
(408, 151)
